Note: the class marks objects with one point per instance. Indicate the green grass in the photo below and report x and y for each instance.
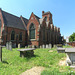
(13, 64)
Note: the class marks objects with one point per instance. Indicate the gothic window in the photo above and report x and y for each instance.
(13, 35)
(32, 31)
(20, 36)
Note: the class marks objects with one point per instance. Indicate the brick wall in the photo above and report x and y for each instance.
(7, 37)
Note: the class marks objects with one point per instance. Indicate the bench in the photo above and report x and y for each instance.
(26, 52)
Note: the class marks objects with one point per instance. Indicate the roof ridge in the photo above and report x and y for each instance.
(25, 18)
(37, 16)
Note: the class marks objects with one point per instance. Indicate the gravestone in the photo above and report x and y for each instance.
(40, 46)
(25, 46)
(7, 45)
(47, 46)
(19, 46)
(33, 46)
(54, 46)
(43, 46)
(50, 46)
(10, 45)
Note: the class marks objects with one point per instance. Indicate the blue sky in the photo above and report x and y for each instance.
(63, 11)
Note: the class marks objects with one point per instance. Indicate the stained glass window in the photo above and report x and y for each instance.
(20, 36)
(13, 35)
(32, 31)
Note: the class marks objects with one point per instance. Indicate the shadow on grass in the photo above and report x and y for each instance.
(33, 56)
(5, 62)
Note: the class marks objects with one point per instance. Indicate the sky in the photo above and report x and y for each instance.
(63, 11)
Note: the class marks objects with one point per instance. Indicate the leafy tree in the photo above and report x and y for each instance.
(72, 37)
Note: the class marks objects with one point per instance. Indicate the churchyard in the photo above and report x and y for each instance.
(13, 64)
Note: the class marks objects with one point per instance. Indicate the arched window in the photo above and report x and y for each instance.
(13, 35)
(32, 31)
(20, 36)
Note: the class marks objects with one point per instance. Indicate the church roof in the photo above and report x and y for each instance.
(37, 17)
(13, 21)
(25, 21)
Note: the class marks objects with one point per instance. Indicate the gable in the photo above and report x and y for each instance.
(33, 17)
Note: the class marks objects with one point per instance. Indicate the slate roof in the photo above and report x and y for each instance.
(25, 20)
(13, 21)
(37, 17)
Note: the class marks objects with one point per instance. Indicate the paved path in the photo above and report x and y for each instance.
(33, 71)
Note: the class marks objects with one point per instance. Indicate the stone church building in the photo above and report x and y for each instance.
(34, 31)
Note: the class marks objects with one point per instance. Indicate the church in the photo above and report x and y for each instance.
(34, 32)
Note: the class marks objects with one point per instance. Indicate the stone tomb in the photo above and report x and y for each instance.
(26, 52)
(70, 56)
(61, 50)
(70, 52)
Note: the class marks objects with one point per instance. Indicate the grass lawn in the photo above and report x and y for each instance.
(13, 64)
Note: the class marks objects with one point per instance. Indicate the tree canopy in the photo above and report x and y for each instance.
(72, 37)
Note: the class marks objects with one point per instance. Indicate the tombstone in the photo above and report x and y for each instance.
(43, 46)
(40, 46)
(0, 53)
(10, 45)
(29, 46)
(54, 46)
(33, 46)
(50, 46)
(19, 46)
(25, 46)
(7, 45)
(47, 46)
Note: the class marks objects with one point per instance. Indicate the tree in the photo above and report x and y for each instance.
(72, 37)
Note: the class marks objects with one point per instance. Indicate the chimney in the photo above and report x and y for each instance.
(59, 30)
(42, 12)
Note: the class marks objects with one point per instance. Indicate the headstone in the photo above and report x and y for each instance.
(43, 46)
(19, 46)
(25, 46)
(33, 46)
(40, 46)
(29, 46)
(0, 53)
(54, 46)
(47, 46)
(10, 45)
(50, 46)
(7, 45)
